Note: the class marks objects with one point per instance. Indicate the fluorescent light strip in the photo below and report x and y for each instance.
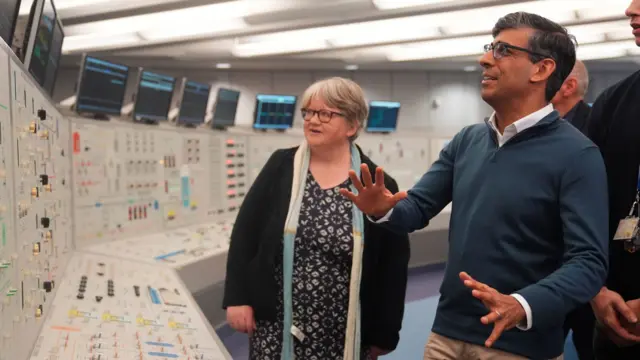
(397, 4)
(196, 29)
(174, 19)
(278, 47)
(25, 6)
(97, 41)
(440, 49)
(609, 50)
(461, 47)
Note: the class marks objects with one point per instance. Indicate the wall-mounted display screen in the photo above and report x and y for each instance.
(53, 64)
(154, 96)
(42, 44)
(8, 17)
(224, 114)
(383, 116)
(195, 98)
(102, 86)
(274, 111)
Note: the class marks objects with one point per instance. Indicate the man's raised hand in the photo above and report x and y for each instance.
(373, 199)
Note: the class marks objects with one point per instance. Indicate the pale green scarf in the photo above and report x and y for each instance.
(352, 337)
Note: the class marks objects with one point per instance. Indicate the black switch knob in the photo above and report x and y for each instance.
(47, 286)
(42, 114)
(44, 179)
(45, 222)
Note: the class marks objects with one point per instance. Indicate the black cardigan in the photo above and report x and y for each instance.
(258, 233)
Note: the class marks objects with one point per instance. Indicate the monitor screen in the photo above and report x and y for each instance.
(154, 96)
(102, 86)
(42, 45)
(383, 116)
(8, 16)
(54, 59)
(194, 103)
(224, 113)
(274, 111)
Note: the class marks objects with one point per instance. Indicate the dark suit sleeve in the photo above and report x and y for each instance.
(245, 234)
(391, 275)
(597, 124)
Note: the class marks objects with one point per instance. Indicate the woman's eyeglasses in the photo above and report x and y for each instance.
(323, 115)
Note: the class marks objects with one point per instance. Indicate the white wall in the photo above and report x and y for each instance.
(457, 93)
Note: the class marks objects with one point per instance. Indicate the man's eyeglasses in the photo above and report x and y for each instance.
(501, 50)
(323, 115)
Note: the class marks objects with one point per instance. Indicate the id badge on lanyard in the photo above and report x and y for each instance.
(627, 230)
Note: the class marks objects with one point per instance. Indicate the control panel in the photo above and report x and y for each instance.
(111, 308)
(9, 305)
(173, 248)
(262, 146)
(405, 158)
(132, 179)
(229, 186)
(40, 210)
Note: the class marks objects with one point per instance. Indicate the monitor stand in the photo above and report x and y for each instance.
(96, 116)
(100, 116)
(148, 121)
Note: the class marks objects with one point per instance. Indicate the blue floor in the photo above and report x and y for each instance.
(422, 299)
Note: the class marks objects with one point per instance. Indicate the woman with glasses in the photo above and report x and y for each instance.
(308, 275)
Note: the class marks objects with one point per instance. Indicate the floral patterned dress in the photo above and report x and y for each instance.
(321, 279)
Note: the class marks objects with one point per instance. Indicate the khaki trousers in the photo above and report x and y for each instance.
(443, 348)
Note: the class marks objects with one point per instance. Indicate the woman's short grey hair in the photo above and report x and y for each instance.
(342, 94)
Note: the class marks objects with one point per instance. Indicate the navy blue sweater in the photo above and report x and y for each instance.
(529, 218)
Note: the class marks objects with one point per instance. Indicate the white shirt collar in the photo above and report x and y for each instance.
(519, 125)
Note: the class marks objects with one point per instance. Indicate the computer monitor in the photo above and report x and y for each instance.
(37, 56)
(383, 116)
(153, 98)
(224, 113)
(274, 111)
(51, 73)
(8, 17)
(195, 98)
(101, 87)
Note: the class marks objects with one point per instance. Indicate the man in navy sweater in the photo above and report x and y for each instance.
(529, 222)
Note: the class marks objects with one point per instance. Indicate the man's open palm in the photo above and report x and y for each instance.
(373, 199)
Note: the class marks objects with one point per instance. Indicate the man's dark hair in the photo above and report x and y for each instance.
(550, 39)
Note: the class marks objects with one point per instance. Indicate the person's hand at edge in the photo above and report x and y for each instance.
(373, 199)
(505, 312)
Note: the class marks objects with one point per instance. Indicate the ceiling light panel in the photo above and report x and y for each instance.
(274, 47)
(611, 30)
(424, 27)
(607, 50)
(98, 42)
(439, 49)
(590, 10)
(397, 4)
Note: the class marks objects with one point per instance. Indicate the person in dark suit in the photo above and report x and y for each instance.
(569, 100)
(304, 259)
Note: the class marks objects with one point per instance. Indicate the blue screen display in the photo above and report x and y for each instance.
(274, 111)
(154, 96)
(102, 86)
(194, 103)
(226, 108)
(383, 116)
